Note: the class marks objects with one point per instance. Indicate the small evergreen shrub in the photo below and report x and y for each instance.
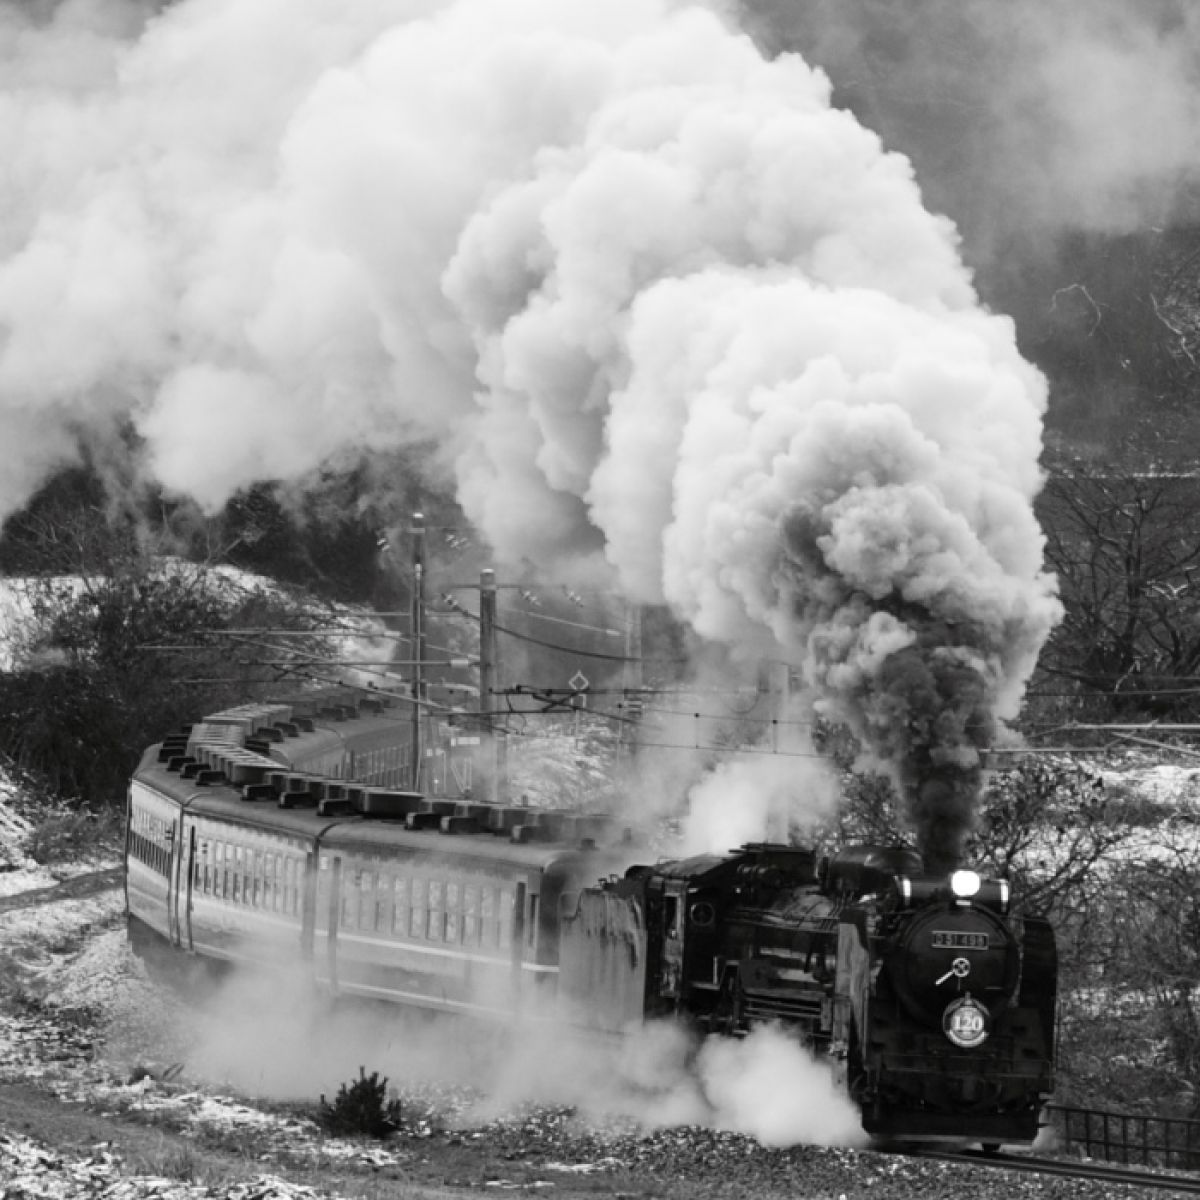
(362, 1107)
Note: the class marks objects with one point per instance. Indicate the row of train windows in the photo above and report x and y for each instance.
(261, 879)
(433, 910)
(149, 840)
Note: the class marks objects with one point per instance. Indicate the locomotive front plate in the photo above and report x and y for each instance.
(948, 939)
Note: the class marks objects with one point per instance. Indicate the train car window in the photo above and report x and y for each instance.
(236, 872)
(531, 924)
(322, 901)
(400, 906)
(470, 914)
(453, 912)
(349, 898)
(504, 917)
(366, 901)
(420, 893)
(437, 910)
(489, 925)
(254, 862)
(382, 922)
(227, 872)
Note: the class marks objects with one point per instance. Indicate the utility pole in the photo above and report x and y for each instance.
(488, 667)
(418, 647)
(781, 699)
(632, 679)
(487, 645)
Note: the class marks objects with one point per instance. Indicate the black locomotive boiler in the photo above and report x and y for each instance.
(931, 1000)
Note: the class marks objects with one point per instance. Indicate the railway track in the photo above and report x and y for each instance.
(1070, 1169)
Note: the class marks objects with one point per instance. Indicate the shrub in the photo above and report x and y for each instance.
(362, 1107)
(69, 835)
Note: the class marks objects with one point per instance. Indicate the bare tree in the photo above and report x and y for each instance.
(1126, 548)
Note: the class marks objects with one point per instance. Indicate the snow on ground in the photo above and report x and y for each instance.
(32, 1172)
(14, 829)
(1169, 784)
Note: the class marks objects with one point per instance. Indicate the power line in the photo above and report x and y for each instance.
(616, 658)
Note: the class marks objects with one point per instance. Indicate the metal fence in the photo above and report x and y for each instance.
(1128, 1138)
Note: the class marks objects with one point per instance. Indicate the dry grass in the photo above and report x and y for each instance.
(67, 835)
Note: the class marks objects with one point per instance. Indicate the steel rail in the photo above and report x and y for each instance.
(1066, 1169)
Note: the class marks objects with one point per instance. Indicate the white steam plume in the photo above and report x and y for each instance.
(646, 294)
(283, 1041)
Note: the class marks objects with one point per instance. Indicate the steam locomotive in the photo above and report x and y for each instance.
(933, 1002)
(280, 834)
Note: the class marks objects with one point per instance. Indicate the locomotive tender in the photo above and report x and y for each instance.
(280, 834)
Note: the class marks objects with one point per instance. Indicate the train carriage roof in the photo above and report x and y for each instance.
(225, 803)
(356, 834)
(483, 848)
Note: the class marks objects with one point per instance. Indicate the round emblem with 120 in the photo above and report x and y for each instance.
(965, 1022)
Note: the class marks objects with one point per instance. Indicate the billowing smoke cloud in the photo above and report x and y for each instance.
(645, 295)
(1025, 118)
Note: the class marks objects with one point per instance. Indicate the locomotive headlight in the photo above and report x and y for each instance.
(965, 884)
(966, 1023)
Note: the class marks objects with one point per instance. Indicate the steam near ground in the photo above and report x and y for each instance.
(276, 1037)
